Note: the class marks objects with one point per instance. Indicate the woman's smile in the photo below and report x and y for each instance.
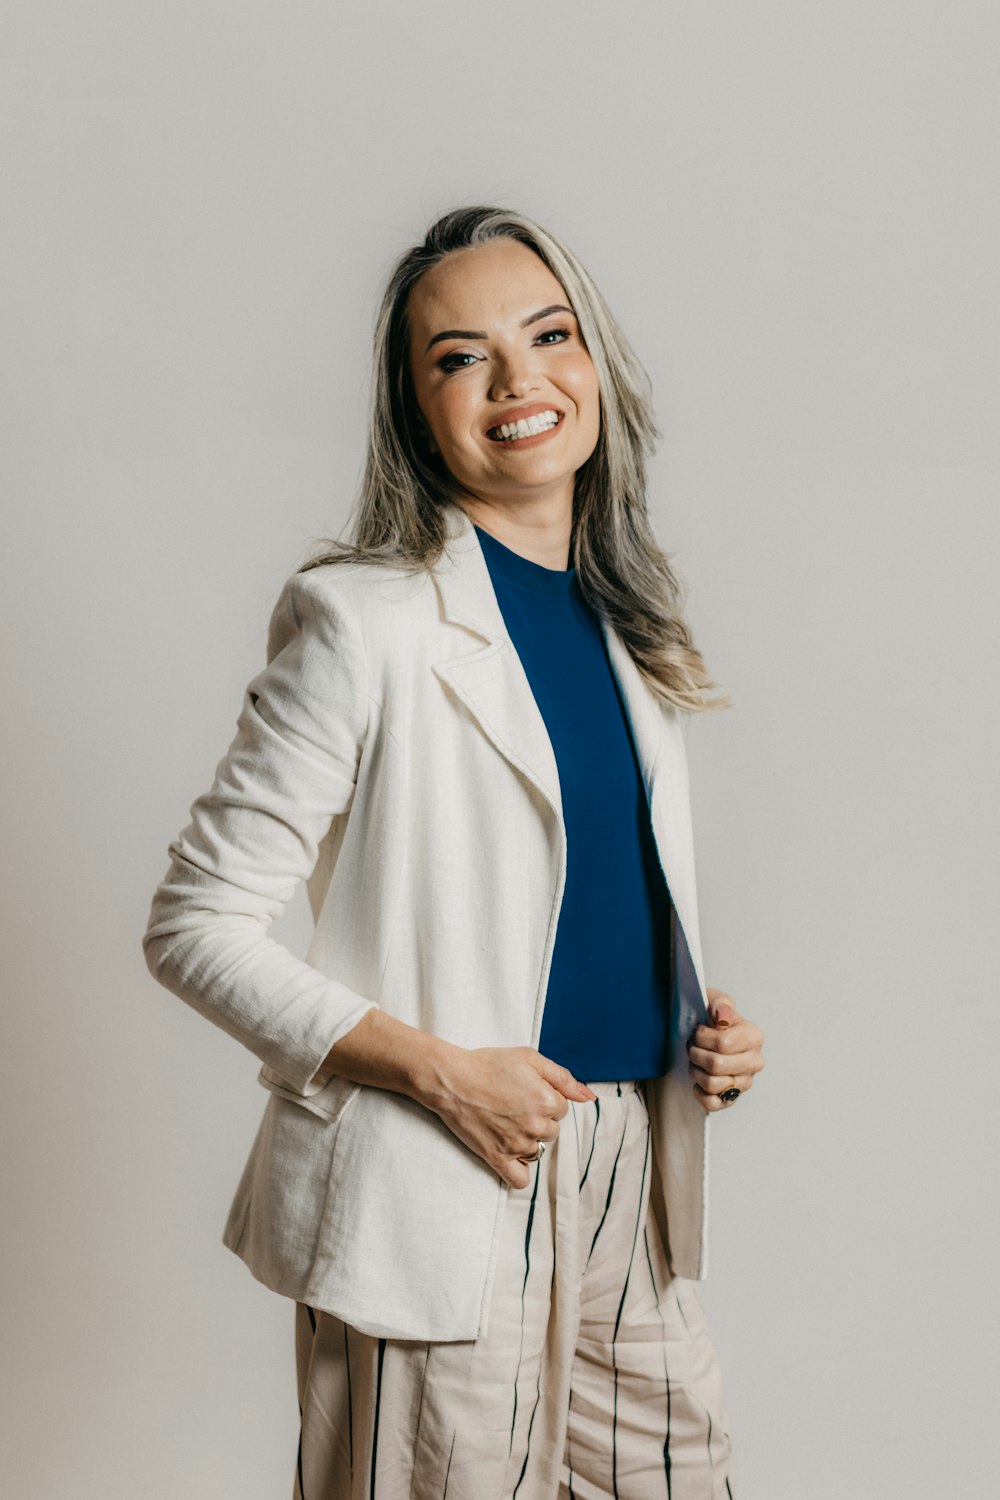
(525, 426)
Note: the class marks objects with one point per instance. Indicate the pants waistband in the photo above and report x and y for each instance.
(605, 1088)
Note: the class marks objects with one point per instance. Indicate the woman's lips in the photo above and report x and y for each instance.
(529, 440)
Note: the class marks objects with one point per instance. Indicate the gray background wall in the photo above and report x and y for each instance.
(792, 209)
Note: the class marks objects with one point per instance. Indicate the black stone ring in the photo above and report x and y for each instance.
(728, 1095)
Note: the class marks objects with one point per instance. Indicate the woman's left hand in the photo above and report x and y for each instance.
(725, 1053)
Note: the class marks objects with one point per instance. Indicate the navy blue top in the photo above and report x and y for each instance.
(607, 1003)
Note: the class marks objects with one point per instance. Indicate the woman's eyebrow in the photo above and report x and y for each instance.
(467, 333)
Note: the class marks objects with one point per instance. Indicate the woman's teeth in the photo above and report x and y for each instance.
(527, 426)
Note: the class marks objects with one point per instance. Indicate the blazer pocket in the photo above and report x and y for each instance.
(329, 1102)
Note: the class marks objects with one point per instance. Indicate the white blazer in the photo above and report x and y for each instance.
(391, 754)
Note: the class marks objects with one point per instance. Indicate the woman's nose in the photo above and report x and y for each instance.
(514, 376)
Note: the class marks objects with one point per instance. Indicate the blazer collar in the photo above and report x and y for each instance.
(463, 579)
(469, 599)
(489, 678)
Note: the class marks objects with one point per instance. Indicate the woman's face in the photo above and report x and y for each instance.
(493, 339)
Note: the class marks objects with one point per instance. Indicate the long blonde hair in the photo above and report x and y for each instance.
(622, 571)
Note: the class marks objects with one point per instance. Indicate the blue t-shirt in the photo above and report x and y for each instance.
(607, 1004)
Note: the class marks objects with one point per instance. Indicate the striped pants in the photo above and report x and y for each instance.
(596, 1377)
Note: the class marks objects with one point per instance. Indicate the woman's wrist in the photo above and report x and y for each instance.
(434, 1071)
(387, 1053)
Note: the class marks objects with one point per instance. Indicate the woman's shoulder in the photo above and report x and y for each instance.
(377, 600)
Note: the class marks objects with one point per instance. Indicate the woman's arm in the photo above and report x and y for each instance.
(290, 770)
(388, 1053)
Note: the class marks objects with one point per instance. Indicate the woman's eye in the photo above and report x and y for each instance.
(446, 363)
(562, 332)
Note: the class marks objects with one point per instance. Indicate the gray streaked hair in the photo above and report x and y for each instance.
(622, 571)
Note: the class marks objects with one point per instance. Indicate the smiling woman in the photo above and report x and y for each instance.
(482, 1169)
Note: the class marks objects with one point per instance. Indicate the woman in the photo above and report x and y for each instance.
(481, 1172)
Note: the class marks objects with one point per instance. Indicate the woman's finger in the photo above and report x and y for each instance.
(711, 1083)
(738, 1037)
(562, 1079)
(750, 1061)
(709, 1095)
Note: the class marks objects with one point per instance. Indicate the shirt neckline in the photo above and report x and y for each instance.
(523, 570)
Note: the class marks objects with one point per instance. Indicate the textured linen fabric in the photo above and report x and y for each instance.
(598, 1376)
(608, 996)
(392, 756)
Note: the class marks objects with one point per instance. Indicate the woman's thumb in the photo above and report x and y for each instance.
(722, 1012)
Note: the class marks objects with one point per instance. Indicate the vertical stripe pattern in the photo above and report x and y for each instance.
(596, 1377)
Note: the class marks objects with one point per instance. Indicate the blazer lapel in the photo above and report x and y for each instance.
(659, 742)
(490, 679)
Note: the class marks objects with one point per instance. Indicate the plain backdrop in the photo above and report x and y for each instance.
(792, 210)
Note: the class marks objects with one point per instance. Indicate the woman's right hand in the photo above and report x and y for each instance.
(501, 1101)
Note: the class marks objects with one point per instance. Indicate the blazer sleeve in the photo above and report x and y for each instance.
(288, 773)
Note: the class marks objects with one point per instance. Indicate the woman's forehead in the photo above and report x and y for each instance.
(497, 281)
